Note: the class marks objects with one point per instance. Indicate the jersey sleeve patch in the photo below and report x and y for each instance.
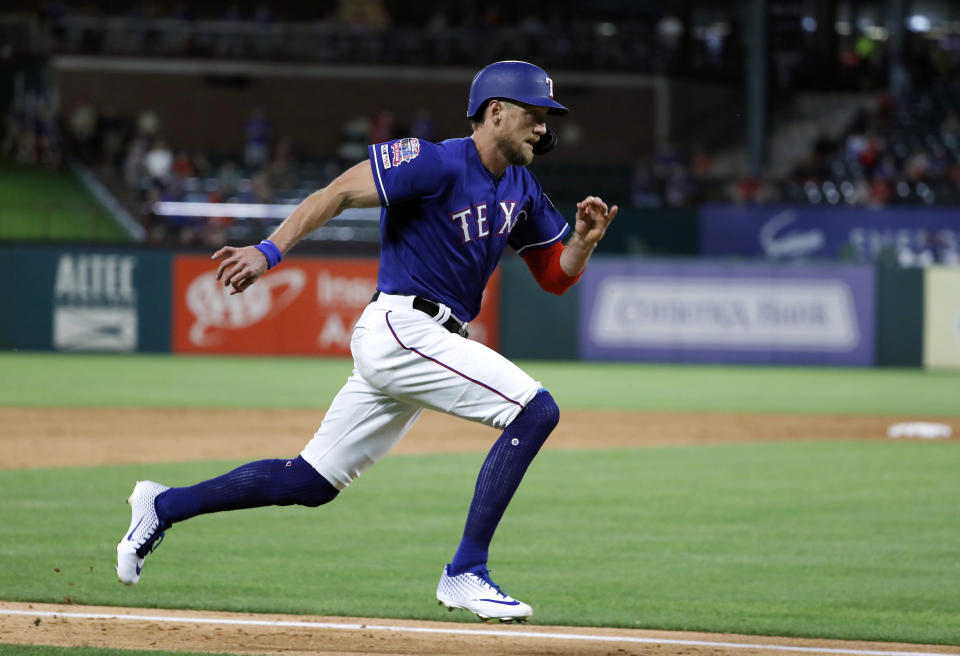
(404, 150)
(405, 169)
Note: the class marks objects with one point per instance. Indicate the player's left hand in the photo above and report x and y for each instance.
(593, 217)
(240, 267)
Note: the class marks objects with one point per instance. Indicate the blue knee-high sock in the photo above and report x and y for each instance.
(255, 484)
(499, 477)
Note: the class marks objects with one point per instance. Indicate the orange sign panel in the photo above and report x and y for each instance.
(307, 306)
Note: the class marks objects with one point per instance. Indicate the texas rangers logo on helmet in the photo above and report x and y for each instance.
(405, 150)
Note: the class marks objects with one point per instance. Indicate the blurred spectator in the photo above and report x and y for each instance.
(364, 13)
(645, 190)
(228, 178)
(281, 173)
(133, 164)
(423, 126)
(47, 147)
(30, 133)
(158, 163)
(261, 191)
(354, 137)
(182, 166)
(201, 165)
(148, 123)
(769, 192)
(256, 135)
(951, 124)
(881, 191)
(745, 190)
(680, 189)
(669, 35)
(701, 164)
(869, 157)
(665, 156)
(214, 233)
(917, 165)
(111, 134)
(19, 137)
(83, 127)
(382, 127)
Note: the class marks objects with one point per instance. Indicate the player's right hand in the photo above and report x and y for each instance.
(240, 267)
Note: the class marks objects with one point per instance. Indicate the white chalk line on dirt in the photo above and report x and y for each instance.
(470, 632)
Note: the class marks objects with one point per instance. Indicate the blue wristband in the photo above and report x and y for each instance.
(271, 252)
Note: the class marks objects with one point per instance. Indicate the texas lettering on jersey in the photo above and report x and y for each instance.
(473, 220)
(445, 220)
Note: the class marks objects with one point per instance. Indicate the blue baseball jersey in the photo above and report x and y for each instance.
(445, 220)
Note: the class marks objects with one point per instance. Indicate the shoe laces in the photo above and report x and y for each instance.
(151, 544)
(156, 543)
(484, 575)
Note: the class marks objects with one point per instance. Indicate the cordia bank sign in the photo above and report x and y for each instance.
(752, 313)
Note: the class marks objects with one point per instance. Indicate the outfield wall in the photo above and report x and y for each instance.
(137, 300)
(624, 309)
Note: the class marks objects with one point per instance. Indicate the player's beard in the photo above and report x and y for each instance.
(515, 153)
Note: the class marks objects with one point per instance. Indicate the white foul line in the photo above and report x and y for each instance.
(473, 632)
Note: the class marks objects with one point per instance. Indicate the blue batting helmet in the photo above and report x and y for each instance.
(513, 80)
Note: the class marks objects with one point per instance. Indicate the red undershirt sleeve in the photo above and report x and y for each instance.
(544, 263)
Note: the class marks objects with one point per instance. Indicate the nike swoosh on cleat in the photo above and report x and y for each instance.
(139, 569)
(129, 537)
(505, 603)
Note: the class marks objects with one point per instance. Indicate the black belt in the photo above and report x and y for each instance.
(429, 307)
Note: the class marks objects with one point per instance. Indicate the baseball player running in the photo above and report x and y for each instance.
(448, 211)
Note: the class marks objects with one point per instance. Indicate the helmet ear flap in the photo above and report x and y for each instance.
(547, 142)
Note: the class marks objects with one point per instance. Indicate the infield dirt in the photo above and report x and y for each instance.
(52, 437)
(65, 437)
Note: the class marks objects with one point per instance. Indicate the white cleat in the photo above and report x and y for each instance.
(481, 596)
(144, 534)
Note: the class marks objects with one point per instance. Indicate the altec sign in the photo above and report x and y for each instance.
(307, 306)
(95, 303)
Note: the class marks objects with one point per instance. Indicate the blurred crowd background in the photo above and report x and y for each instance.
(674, 104)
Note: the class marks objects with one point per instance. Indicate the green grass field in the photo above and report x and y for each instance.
(45, 379)
(37, 203)
(837, 538)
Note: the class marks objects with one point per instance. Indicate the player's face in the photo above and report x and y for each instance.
(521, 127)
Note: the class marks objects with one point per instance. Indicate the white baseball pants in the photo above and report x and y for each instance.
(405, 361)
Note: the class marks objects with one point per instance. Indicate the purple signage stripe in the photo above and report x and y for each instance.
(808, 232)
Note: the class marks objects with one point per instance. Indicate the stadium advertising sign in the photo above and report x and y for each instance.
(95, 303)
(914, 235)
(941, 324)
(306, 306)
(753, 313)
(87, 299)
